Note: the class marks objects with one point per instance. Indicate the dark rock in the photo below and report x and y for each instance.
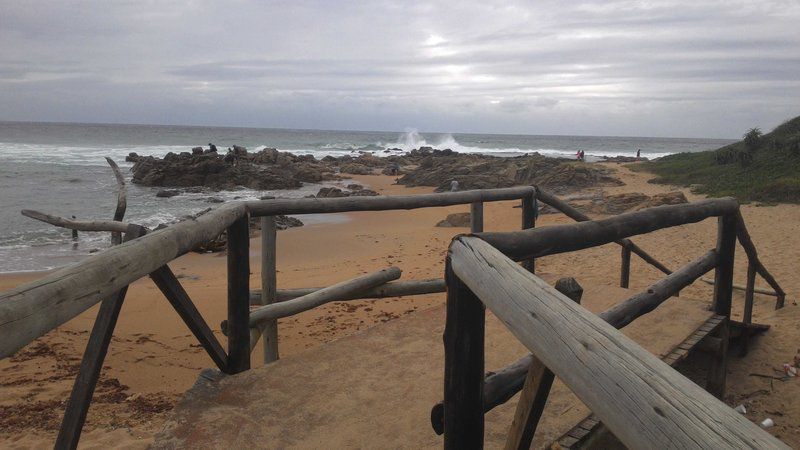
(363, 193)
(197, 151)
(356, 169)
(355, 187)
(455, 220)
(267, 197)
(166, 193)
(331, 192)
(132, 157)
(214, 200)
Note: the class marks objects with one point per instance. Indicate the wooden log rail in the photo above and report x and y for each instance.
(387, 290)
(502, 385)
(643, 401)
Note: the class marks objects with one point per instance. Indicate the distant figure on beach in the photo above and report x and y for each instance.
(638, 153)
(212, 147)
(453, 185)
(394, 168)
(580, 155)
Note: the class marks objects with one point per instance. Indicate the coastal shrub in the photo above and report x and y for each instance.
(744, 158)
(726, 155)
(781, 190)
(752, 139)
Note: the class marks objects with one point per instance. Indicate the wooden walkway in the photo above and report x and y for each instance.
(375, 389)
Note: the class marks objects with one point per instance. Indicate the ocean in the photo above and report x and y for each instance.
(59, 168)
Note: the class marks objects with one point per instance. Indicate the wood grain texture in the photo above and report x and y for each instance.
(33, 309)
(238, 297)
(723, 275)
(644, 402)
(386, 290)
(383, 203)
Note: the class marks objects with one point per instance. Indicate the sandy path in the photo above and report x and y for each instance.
(154, 356)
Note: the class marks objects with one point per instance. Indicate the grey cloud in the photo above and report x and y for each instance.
(590, 67)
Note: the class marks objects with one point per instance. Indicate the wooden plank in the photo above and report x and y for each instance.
(723, 275)
(269, 282)
(525, 244)
(169, 285)
(326, 295)
(383, 203)
(538, 382)
(463, 366)
(238, 297)
(644, 402)
(33, 309)
(625, 268)
(91, 364)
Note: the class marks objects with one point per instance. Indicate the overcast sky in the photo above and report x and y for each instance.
(644, 68)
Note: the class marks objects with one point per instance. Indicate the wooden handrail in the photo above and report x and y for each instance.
(384, 203)
(519, 245)
(503, 384)
(644, 402)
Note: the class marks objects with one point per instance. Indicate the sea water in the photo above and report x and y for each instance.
(60, 169)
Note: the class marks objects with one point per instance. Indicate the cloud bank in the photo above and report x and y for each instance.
(648, 68)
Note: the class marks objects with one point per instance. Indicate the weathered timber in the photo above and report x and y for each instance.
(577, 215)
(80, 225)
(387, 290)
(625, 267)
(238, 297)
(122, 200)
(33, 309)
(269, 279)
(463, 366)
(383, 203)
(529, 210)
(91, 364)
(621, 314)
(752, 254)
(537, 386)
(520, 245)
(503, 384)
(644, 402)
(747, 315)
(723, 275)
(739, 287)
(172, 289)
(326, 295)
(718, 364)
(476, 217)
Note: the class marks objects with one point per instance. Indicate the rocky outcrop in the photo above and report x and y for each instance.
(456, 220)
(334, 192)
(264, 170)
(485, 172)
(218, 244)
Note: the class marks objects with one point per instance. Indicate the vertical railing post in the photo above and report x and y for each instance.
(529, 212)
(723, 274)
(625, 268)
(747, 316)
(239, 296)
(476, 217)
(463, 366)
(269, 330)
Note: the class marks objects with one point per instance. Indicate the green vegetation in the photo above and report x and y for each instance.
(761, 167)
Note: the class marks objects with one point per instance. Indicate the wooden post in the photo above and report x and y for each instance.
(723, 275)
(537, 386)
(718, 364)
(476, 217)
(625, 267)
(463, 366)
(747, 316)
(529, 206)
(238, 296)
(269, 330)
(92, 362)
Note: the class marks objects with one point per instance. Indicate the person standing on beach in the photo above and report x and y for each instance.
(212, 147)
(638, 153)
(453, 186)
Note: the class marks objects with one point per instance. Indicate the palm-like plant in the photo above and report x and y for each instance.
(752, 139)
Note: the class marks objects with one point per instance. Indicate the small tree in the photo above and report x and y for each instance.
(752, 139)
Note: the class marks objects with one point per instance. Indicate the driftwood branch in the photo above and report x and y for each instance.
(329, 294)
(122, 199)
(79, 225)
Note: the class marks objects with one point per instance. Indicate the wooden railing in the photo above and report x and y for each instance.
(31, 310)
(643, 401)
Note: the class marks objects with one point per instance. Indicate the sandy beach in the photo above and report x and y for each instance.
(153, 358)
